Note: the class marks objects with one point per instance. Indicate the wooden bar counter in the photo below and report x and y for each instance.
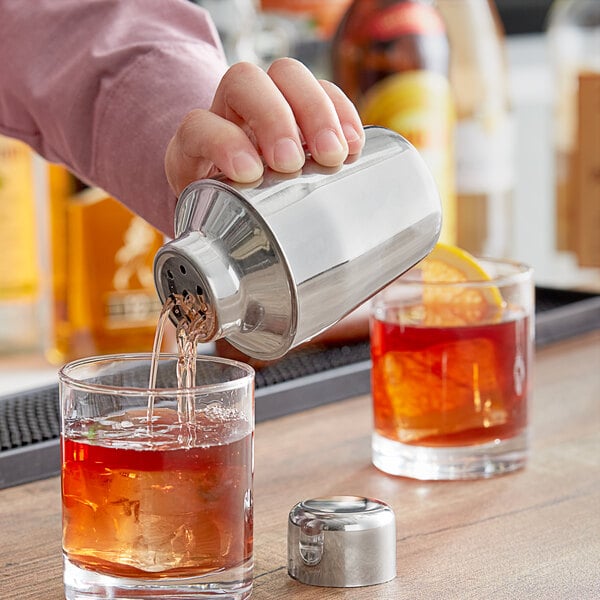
(531, 534)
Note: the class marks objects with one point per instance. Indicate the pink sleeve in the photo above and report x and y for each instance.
(101, 85)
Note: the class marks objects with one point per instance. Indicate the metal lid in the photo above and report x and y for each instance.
(342, 541)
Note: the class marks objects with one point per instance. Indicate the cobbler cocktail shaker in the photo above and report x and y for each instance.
(279, 261)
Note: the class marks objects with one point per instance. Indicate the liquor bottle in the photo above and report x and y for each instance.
(574, 43)
(391, 57)
(484, 152)
(103, 294)
(20, 273)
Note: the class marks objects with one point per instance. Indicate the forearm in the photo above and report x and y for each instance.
(101, 85)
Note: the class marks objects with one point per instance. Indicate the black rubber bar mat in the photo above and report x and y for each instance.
(30, 420)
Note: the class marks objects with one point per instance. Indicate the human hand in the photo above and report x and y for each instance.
(268, 114)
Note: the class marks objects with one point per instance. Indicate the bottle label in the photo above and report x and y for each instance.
(136, 308)
(404, 19)
(484, 155)
(130, 305)
(418, 105)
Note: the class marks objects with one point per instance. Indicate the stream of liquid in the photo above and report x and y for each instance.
(191, 328)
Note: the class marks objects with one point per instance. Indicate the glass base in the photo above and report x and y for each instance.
(463, 462)
(233, 584)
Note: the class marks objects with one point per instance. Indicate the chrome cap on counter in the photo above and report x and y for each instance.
(342, 541)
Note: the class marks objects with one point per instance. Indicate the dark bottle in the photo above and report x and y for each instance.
(391, 57)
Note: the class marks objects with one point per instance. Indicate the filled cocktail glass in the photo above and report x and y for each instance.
(157, 481)
(451, 347)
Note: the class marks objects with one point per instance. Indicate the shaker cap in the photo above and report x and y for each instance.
(342, 541)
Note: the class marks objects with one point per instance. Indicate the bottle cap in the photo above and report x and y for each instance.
(342, 541)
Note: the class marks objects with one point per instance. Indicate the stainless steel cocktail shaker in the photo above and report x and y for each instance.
(279, 261)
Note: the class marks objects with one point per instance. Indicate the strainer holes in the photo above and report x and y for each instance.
(198, 290)
(182, 269)
(169, 274)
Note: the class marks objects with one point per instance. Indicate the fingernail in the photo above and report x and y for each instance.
(246, 166)
(287, 155)
(350, 133)
(328, 145)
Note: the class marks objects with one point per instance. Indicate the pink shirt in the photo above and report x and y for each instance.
(101, 85)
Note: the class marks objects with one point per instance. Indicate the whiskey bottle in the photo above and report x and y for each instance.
(103, 293)
(391, 57)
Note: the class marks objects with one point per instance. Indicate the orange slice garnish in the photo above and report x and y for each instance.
(449, 299)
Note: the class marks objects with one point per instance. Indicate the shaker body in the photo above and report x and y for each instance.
(281, 260)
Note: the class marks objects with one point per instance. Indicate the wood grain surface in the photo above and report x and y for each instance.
(534, 534)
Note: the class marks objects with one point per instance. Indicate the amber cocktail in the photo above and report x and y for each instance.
(157, 496)
(451, 369)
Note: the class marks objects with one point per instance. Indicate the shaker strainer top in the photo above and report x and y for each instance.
(179, 278)
(227, 257)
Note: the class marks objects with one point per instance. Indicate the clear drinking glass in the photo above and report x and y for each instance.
(157, 507)
(451, 374)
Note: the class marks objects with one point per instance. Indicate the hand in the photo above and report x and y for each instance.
(268, 114)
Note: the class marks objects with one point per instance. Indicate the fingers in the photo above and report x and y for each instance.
(271, 114)
(327, 119)
(348, 116)
(287, 104)
(313, 110)
(204, 141)
(247, 95)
